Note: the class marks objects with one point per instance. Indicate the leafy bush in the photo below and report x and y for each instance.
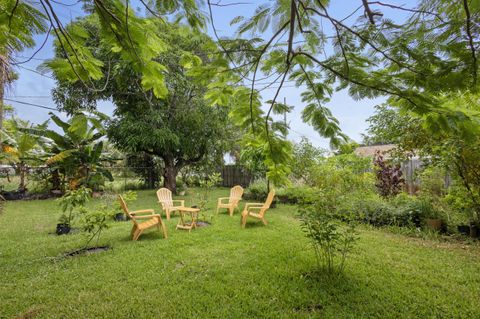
(257, 190)
(345, 174)
(389, 177)
(461, 204)
(297, 195)
(352, 162)
(432, 182)
(181, 185)
(332, 235)
(402, 211)
(288, 195)
(342, 174)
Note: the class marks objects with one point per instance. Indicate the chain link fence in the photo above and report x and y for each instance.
(38, 179)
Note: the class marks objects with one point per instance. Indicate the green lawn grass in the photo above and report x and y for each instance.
(222, 271)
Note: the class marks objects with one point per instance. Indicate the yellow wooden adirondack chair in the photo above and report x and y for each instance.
(138, 228)
(164, 196)
(236, 193)
(257, 210)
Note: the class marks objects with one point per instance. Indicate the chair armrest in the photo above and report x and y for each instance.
(253, 204)
(142, 211)
(182, 201)
(148, 216)
(161, 202)
(254, 208)
(222, 199)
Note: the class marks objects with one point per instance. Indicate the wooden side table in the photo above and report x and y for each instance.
(188, 225)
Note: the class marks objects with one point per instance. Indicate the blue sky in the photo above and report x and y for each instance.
(32, 87)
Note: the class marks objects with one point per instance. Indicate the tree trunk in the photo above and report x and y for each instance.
(3, 83)
(22, 169)
(169, 176)
(56, 181)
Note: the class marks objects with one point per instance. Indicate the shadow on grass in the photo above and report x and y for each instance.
(334, 289)
(254, 224)
(147, 236)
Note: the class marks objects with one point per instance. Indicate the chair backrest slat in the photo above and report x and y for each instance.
(236, 194)
(268, 202)
(164, 196)
(125, 209)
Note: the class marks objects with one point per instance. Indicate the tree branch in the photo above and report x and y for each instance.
(368, 12)
(470, 41)
(347, 78)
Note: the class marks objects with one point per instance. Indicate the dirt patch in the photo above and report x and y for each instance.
(22, 195)
(86, 251)
(30, 313)
(309, 308)
(203, 224)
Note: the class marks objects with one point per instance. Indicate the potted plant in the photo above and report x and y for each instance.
(63, 226)
(69, 203)
(434, 223)
(464, 229)
(119, 217)
(474, 229)
(470, 228)
(432, 215)
(433, 219)
(463, 223)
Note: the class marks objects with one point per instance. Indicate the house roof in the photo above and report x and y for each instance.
(369, 151)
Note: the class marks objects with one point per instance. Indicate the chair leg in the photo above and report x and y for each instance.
(244, 218)
(264, 221)
(164, 231)
(137, 234)
(218, 208)
(134, 230)
(167, 212)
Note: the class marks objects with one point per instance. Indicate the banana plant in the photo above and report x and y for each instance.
(20, 148)
(77, 154)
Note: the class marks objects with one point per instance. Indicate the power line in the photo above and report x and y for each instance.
(34, 71)
(32, 104)
(307, 136)
(30, 96)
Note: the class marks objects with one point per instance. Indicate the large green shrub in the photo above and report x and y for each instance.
(257, 190)
(402, 211)
(345, 174)
(288, 195)
(432, 181)
(461, 205)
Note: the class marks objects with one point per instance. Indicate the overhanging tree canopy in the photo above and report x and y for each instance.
(434, 49)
